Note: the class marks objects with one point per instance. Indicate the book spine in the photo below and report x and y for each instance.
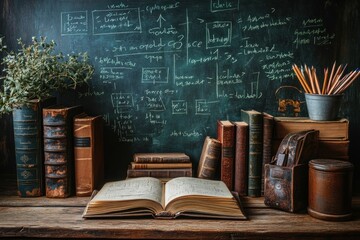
(160, 159)
(159, 165)
(268, 131)
(27, 124)
(59, 151)
(159, 173)
(88, 154)
(226, 135)
(241, 159)
(209, 158)
(255, 122)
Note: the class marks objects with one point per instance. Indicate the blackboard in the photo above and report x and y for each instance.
(166, 71)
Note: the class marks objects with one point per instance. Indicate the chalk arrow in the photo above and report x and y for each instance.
(160, 19)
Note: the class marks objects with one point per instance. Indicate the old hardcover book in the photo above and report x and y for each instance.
(268, 132)
(192, 197)
(209, 158)
(255, 121)
(59, 150)
(29, 154)
(160, 157)
(241, 157)
(88, 154)
(226, 135)
(329, 130)
(135, 165)
(165, 173)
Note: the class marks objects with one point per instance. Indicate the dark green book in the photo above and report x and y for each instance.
(29, 154)
(59, 150)
(255, 121)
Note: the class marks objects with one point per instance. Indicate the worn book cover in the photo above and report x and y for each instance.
(59, 150)
(185, 196)
(88, 154)
(255, 121)
(164, 173)
(135, 165)
(241, 157)
(268, 132)
(209, 158)
(161, 157)
(226, 135)
(29, 154)
(329, 130)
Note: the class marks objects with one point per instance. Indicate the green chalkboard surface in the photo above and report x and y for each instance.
(166, 71)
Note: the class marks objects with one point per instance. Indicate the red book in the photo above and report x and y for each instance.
(226, 135)
(241, 157)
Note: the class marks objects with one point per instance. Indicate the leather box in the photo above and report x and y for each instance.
(286, 188)
(286, 176)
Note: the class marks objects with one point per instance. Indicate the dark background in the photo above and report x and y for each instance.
(166, 71)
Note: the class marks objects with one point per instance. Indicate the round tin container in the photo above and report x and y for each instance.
(330, 189)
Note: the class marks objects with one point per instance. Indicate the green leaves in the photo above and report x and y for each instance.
(36, 71)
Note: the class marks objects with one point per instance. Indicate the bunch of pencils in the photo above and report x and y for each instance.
(334, 83)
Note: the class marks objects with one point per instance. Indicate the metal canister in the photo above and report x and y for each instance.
(330, 189)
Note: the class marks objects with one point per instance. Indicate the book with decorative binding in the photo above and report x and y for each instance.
(255, 121)
(135, 165)
(88, 154)
(226, 135)
(268, 132)
(241, 157)
(29, 154)
(209, 158)
(165, 173)
(161, 157)
(185, 196)
(59, 150)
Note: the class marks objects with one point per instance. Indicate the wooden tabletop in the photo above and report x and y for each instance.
(61, 218)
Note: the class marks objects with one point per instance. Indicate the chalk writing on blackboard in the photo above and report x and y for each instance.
(74, 23)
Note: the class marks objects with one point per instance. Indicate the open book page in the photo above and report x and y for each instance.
(185, 186)
(131, 189)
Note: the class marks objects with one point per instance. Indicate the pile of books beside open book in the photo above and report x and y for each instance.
(160, 165)
(243, 147)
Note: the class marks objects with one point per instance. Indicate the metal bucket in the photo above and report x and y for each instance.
(323, 107)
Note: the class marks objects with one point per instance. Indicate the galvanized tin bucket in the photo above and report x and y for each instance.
(323, 107)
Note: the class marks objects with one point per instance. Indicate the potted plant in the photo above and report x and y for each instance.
(31, 76)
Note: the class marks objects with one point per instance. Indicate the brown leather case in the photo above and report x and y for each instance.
(286, 177)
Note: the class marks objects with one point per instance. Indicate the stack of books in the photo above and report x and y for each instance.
(164, 166)
(333, 135)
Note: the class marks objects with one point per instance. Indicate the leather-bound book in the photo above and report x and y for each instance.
(268, 132)
(255, 121)
(164, 173)
(241, 157)
(209, 158)
(88, 154)
(172, 157)
(226, 135)
(59, 150)
(29, 154)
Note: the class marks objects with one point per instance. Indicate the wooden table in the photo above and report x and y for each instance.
(61, 218)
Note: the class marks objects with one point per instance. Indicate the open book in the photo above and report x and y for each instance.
(183, 196)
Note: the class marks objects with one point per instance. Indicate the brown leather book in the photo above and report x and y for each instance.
(241, 157)
(159, 173)
(171, 157)
(135, 165)
(89, 154)
(209, 158)
(329, 130)
(226, 135)
(59, 150)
